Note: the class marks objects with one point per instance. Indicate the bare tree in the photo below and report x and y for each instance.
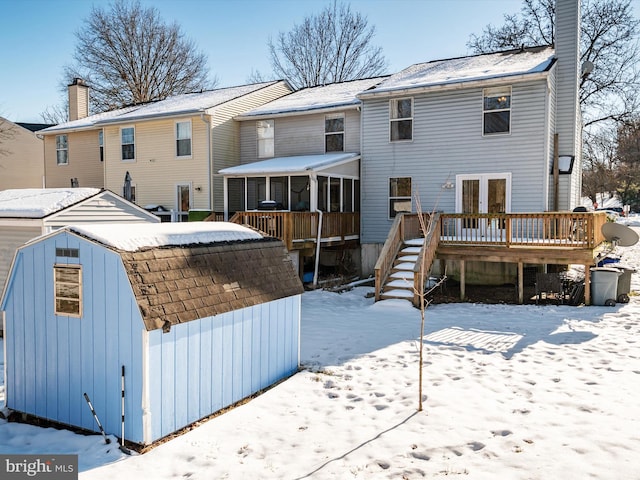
(7, 132)
(609, 40)
(128, 55)
(332, 46)
(56, 113)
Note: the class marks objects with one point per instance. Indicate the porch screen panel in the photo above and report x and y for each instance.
(334, 194)
(347, 194)
(356, 195)
(235, 195)
(256, 191)
(279, 190)
(300, 197)
(323, 193)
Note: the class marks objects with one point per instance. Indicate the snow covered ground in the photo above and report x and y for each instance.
(517, 392)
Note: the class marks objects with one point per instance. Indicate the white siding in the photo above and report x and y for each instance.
(447, 141)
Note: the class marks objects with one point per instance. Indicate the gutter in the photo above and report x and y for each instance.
(292, 113)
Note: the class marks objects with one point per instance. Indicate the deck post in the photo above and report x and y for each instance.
(587, 285)
(462, 280)
(520, 283)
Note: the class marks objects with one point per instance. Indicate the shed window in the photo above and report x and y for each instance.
(334, 133)
(68, 290)
(401, 119)
(266, 138)
(183, 139)
(62, 150)
(399, 195)
(497, 110)
(128, 143)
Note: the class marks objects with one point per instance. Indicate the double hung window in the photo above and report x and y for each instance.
(496, 116)
(62, 150)
(128, 143)
(401, 119)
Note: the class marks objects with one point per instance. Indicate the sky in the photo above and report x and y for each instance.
(509, 392)
(38, 37)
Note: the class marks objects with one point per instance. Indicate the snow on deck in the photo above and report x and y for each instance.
(40, 202)
(133, 237)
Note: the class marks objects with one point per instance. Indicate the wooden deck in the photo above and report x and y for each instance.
(520, 238)
(299, 230)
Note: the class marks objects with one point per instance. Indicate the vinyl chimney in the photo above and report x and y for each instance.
(78, 99)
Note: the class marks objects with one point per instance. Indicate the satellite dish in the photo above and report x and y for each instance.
(619, 234)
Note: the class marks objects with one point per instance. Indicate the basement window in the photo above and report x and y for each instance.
(67, 282)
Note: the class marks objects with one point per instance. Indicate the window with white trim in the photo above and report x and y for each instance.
(401, 119)
(183, 139)
(496, 115)
(128, 141)
(399, 195)
(101, 144)
(67, 281)
(266, 137)
(334, 133)
(62, 150)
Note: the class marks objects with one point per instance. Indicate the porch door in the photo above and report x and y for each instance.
(483, 193)
(183, 202)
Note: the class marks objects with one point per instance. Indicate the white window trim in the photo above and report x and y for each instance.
(101, 145)
(55, 295)
(135, 153)
(175, 131)
(391, 119)
(485, 91)
(389, 197)
(342, 132)
(66, 149)
(272, 139)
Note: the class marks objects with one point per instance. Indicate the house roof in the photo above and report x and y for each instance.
(497, 65)
(188, 103)
(41, 202)
(289, 165)
(35, 127)
(312, 99)
(186, 271)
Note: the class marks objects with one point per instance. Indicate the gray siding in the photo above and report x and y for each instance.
(299, 135)
(448, 141)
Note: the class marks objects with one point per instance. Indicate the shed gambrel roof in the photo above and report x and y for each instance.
(181, 272)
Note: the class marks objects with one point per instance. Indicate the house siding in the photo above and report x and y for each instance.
(447, 141)
(202, 366)
(22, 158)
(10, 239)
(84, 161)
(53, 360)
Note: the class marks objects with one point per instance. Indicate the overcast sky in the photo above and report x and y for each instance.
(38, 37)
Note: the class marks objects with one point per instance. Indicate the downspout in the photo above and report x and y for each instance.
(314, 177)
(207, 121)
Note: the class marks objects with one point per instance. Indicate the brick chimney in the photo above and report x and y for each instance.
(78, 99)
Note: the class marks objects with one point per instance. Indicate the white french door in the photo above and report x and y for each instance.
(481, 194)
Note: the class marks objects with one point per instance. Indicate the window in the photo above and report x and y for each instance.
(399, 195)
(128, 143)
(265, 132)
(183, 139)
(62, 150)
(497, 110)
(68, 290)
(101, 144)
(334, 133)
(401, 119)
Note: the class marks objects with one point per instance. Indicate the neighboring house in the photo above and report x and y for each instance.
(301, 152)
(475, 134)
(31, 212)
(21, 155)
(196, 316)
(169, 148)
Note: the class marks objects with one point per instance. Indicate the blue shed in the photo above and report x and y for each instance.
(200, 314)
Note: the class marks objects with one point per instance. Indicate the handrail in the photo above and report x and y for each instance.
(426, 256)
(388, 254)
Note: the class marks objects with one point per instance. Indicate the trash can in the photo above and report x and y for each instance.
(604, 286)
(624, 283)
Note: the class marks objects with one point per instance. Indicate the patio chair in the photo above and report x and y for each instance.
(549, 285)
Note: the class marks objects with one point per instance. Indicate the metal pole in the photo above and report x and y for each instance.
(122, 410)
(95, 416)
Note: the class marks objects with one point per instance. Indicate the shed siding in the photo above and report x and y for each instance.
(202, 366)
(299, 135)
(84, 161)
(447, 141)
(52, 360)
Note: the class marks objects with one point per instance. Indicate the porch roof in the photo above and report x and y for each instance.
(290, 165)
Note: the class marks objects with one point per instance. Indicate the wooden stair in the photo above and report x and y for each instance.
(399, 284)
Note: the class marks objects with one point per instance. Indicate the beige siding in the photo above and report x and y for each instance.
(21, 158)
(10, 239)
(84, 161)
(299, 135)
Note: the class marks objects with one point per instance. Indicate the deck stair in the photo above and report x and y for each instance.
(399, 284)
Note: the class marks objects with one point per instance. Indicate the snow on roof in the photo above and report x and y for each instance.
(466, 69)
(295, 164)
(314, 98)
(179, 104)
(40, 202)
(133, 237)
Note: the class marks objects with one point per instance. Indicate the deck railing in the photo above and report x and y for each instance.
(296, 227)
